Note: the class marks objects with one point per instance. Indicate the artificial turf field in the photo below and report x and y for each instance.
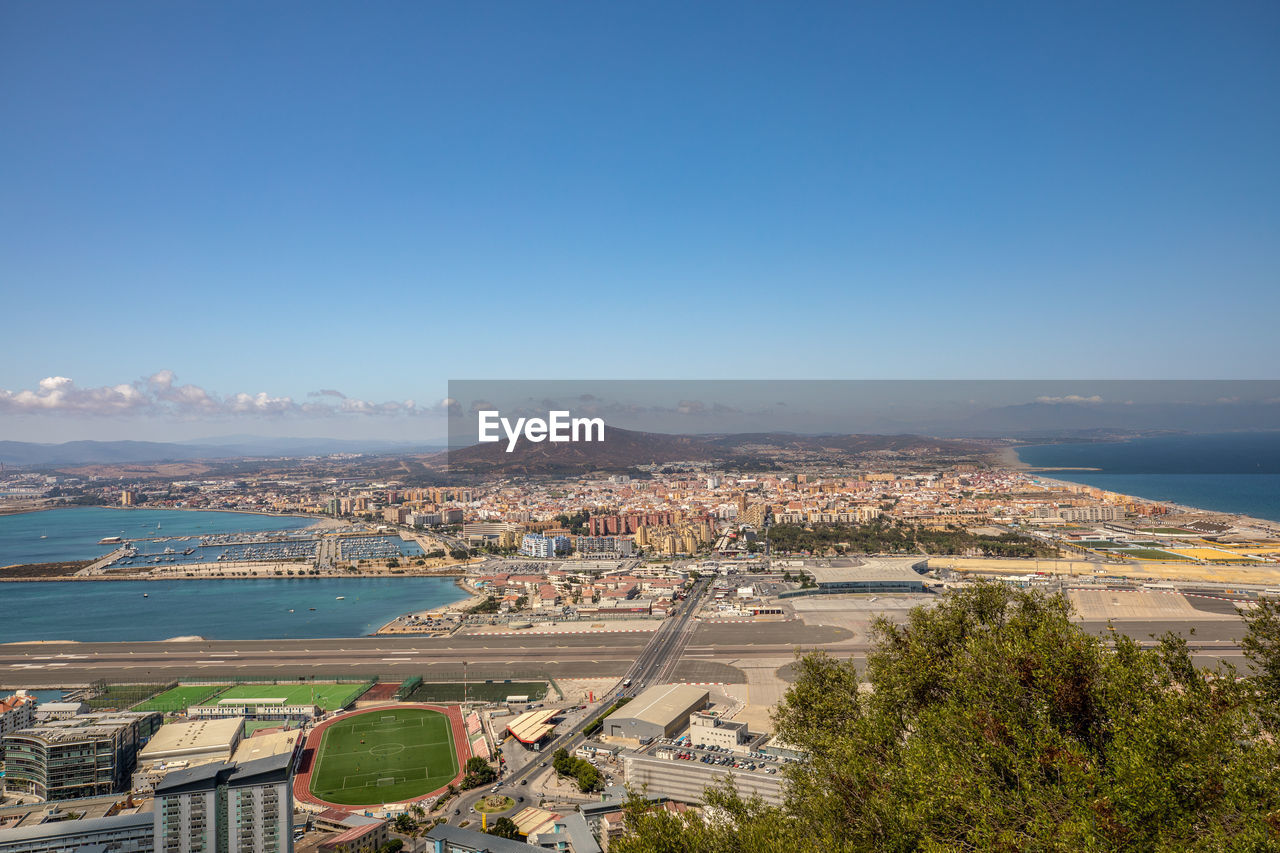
(327, 696)
(384, 756)
(180, 698)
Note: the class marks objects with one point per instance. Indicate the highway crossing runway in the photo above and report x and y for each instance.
(558, 655)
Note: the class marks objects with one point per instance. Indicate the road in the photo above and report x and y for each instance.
(650, 666)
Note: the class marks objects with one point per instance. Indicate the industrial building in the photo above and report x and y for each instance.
(198, 739)
(177, 746)
(659, 711)
(867, 575)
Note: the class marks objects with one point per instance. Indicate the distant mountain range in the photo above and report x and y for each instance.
(625, 449)
(29, 454)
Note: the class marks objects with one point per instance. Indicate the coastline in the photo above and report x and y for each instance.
(1177, 509)
(34, 510)
(402, 624)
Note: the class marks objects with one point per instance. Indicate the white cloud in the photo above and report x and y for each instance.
(161, 394)
(1071, 398)
(60, 394)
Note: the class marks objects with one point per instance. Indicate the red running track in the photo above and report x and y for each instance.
(302, 780)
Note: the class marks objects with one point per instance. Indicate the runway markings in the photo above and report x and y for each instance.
(1163, 592)
(561, 633)
(698, 683)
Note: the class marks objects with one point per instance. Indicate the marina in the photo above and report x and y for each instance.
(88, 533)
(377, 548)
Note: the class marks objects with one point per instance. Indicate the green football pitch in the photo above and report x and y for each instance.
(328, 696)
(384, 756)
(181, 698)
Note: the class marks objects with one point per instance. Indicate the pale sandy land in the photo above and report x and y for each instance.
(1008, 458)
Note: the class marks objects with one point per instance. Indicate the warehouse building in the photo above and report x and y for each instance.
(177, 746)
(660, 711)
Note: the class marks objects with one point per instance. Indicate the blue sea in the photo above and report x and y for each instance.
(105, 611)
(58, 535)
(1226, 472)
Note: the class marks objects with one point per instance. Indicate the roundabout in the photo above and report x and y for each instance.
(495, 803)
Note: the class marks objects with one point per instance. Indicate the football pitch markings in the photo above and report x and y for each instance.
(381, 758)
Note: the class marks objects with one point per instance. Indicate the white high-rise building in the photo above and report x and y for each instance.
(227, 807)
(17, 712)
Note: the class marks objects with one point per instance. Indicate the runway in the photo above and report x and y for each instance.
(708, 656)
(478, 657)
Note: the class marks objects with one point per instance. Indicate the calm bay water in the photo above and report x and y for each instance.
(105, 611)
(1233, 472)
(73, 533)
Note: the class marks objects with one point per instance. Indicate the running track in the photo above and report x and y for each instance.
(302, 780)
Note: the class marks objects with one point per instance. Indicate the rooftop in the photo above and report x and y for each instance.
(265, 745)
(848, 570)
(80, 728)
(533, 726)
(262, 771)
(457, 838)
(659, 704)
(193, 738)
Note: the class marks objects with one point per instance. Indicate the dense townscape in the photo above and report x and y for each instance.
(621, 642)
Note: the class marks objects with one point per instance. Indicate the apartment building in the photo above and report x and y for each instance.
(83, 756)
(236, 807)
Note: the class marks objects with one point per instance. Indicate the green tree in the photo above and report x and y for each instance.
(588, 776)
(1261, 646)
(505, 827)
(404, 823)
(477, 773)
(562, 761)
(395, 845)
(995, 723)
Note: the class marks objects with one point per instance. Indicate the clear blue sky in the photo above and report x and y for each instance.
(373, 198)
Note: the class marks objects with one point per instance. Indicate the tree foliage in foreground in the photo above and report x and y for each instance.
(995, 723)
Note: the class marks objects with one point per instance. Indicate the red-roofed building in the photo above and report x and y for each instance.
(358, 839)
(548, 596)
(17, 712)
